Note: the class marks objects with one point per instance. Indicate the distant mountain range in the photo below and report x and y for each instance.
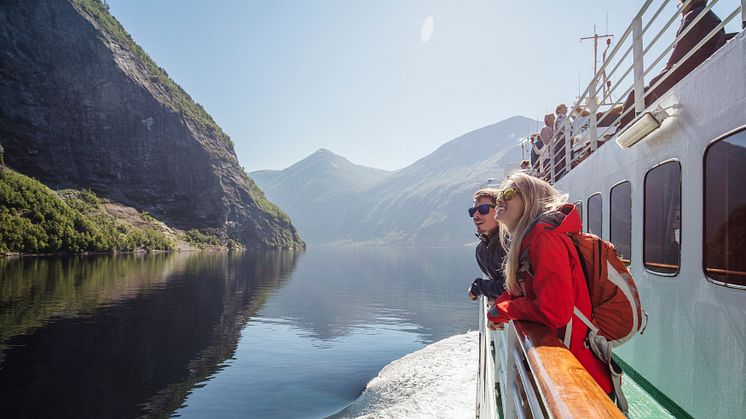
(332, 200)
(316, 191)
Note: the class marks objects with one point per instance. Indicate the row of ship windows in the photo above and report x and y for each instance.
(724, 224)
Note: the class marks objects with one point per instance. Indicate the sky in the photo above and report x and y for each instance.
(382, 83)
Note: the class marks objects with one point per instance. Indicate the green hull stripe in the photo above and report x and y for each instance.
(658, 395)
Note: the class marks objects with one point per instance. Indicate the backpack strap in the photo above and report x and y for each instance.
(602, 349)
(568, 334)
(584, 319)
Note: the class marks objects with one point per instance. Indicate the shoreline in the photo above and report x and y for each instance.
(116, 252)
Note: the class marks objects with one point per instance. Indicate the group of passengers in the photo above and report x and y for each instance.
(528, 218)
(554, 132)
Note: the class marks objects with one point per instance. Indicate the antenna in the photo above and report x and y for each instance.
(607, 23)
(606, 84)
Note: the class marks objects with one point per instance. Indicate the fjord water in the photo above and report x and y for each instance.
(245, 334)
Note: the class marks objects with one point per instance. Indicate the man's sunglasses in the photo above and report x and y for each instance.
(483, 209)
(508, 194)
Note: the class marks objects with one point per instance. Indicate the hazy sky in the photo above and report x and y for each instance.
(381, 82)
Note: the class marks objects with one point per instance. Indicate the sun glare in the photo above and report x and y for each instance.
(427, 29)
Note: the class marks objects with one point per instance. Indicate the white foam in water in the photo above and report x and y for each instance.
(439, 380)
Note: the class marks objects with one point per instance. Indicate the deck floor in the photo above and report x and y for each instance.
(641, 404)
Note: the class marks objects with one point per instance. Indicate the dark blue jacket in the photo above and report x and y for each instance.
(490, 255)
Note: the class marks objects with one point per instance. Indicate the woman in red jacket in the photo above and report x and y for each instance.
(534, 219)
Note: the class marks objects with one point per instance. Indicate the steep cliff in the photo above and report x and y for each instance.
(82, 105)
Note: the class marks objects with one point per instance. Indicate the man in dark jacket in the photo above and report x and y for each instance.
(489, 252)
(689, 13)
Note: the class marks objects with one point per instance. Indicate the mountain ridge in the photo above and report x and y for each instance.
(420, 204)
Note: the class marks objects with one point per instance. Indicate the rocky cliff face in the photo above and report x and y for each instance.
(81, 105)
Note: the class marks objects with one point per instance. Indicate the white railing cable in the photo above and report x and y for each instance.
(691, 52)
(486, 399)
(681, 36)
(696, 48)
(518, 407)
(637, 64)
(549, 158)
(528, 387)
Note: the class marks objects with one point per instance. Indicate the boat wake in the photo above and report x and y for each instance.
(439, 380)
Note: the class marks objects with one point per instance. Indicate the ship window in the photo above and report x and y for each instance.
(725, 210)
(662, 231)
(579, 206)
(620, 220)
(595, 217)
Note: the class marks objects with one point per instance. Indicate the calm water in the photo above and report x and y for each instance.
(251, 334)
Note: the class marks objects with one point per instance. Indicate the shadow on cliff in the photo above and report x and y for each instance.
(83, 106)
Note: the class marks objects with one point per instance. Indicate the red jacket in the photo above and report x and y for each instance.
(556, 286)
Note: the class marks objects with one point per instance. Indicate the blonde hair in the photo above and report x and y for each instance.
(539, 197)
(490, 193)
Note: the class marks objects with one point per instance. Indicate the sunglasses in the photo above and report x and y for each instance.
(508, 194)
(483, 209)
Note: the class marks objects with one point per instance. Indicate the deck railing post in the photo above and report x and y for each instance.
(637, 53)
(511, 375)
(568, 146)
(552, 159)
(743, 14)
(593, 110)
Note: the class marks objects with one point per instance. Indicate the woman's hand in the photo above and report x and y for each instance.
(496, 326)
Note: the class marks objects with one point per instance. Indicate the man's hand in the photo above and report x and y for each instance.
(472, 297)
(474, 291)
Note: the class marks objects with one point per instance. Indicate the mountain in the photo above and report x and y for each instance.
(83, 106)
(313, 190)
(423, 204)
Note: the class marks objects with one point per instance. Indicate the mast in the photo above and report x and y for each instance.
(595, 38)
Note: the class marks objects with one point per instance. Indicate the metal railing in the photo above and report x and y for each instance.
(505, 382)
(525, 372)
(486, 396)
(580, 135)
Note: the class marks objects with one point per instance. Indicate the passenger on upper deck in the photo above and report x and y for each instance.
(561, 112)
(559, 139)
(489, 252)
(536, 146)
(547, 136)
(689, 13)
(544, 279)
(547, 131)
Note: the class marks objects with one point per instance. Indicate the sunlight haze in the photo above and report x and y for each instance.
(375, 82)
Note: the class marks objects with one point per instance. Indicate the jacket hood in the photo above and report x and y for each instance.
(565, 220)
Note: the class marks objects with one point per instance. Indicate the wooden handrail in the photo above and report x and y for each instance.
(568, 390)
(661, 265)
(725, 271)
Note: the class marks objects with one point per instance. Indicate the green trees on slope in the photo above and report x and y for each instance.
(35, 219)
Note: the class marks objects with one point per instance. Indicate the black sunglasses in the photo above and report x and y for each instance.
(483, 209)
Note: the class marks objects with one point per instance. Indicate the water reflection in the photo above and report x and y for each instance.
(336, 290)
(124, 336)
(346, 313)
(220, 335)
